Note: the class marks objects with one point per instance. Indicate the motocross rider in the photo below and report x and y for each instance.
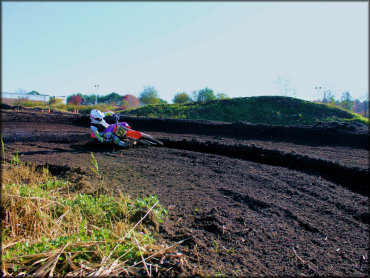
(99, 125)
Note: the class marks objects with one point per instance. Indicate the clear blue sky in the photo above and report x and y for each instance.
(239, 48)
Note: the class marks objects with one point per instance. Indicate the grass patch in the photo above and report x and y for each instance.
(49, 230)
(30, 103)
(274, 110)
(83, 109)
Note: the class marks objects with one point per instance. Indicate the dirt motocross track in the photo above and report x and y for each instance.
(251, 200)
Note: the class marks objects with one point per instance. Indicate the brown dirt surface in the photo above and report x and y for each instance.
(250, 200)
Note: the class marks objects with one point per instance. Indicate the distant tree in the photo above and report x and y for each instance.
(325, 94)
(74, 99)
(194, 95)
(221, 96)
(162, 101)
(34, 93)
(129, 101)
(149, 96)
(181, 98)
(285, 87)
(365, 103)
(328, 97)
(206, 94)
(346, 101)
(55, 101)
(356, 106)
(112, 98)
(366, 108)
(52, 100)
(360, 106)
(89, 99)
(69, 98)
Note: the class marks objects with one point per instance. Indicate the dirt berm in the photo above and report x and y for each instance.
(328, 133)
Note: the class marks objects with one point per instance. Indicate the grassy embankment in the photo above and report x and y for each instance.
(47, 229)
(273, 110)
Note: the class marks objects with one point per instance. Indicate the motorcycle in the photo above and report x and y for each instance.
(125, 132)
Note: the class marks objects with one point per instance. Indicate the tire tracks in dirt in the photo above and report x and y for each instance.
(356, 179)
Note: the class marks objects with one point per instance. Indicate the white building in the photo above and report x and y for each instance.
(5, 97)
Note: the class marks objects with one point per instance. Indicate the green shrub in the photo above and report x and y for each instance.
(85, 109)
(30, 103)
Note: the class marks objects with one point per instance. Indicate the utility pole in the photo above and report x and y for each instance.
(96, 94)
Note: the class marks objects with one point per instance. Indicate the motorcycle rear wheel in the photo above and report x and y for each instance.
(148, 140)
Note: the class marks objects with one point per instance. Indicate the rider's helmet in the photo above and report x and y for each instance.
(96, 116)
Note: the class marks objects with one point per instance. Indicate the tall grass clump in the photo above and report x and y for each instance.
(85, 109)
(48, 230)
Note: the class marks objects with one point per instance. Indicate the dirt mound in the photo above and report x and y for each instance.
(353, 127)
(5, 106)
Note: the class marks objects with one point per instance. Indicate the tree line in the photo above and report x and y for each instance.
(346, 101)
(113, 99)
(149, 95)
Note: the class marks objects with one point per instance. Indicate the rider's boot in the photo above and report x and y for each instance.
(123, 144)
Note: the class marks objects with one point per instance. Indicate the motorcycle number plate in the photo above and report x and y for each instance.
(120, 132)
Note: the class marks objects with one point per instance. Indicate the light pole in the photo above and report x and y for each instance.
(318, 90)
(96, 95)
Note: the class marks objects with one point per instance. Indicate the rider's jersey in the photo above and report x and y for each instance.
(101, 131)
